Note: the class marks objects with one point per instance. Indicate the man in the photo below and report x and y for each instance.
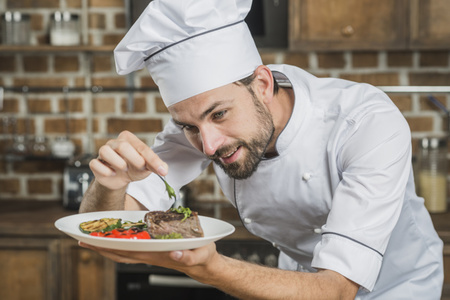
(319, 167)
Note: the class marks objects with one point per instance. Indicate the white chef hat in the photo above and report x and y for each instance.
(190, 46)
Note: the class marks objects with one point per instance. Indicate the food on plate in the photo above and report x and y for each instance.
(104, 224)
(132, 233)
(174, 223)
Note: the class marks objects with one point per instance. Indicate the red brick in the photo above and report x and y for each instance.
(10, 4)
(38, 63)
(8, 63)
(116, 125)
(39, 167)
(73, 105)
(59, 126)
(139, 105)
(426, 104)
(147, 82)
(106, 3)
(434, 58)
(66, 63)
(10, 186)
(119, 81)
(429, 79)
(120, 21)
(364, 59)
(10, 105)
(41, 81)
(403, 102)
(102, 63)
(296, 59)
(39, 186)
(97, 21)
(39, 106)
(331, 60)
(400, 59)
(103, 105)
(267, 57)
(160, 106)
(419, 124)
(112, 39)
(374, 78)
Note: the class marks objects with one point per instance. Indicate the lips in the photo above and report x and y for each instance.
(231, 156)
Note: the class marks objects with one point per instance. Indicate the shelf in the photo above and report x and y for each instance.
(55, 49)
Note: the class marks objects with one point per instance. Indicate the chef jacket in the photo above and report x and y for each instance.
(340, 195)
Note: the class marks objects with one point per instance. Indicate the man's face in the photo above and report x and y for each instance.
(228, 124)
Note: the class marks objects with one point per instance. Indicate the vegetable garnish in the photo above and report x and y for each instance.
(169, 189)
(170, 236)
(121, 233)
(104, 224)
(182, 210)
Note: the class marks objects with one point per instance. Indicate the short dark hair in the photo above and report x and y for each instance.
(249, 79)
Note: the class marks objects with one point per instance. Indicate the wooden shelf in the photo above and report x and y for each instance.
(56, 49)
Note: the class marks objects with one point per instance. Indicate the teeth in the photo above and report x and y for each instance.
(229, 155)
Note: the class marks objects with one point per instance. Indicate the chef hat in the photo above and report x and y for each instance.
(190, 46)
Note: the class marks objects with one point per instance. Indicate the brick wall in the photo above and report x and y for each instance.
(91, 118)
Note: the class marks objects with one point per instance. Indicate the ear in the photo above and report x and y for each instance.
(264, 83)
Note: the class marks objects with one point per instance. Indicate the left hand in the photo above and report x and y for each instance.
(186, 261)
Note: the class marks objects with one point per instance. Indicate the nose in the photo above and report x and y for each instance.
(212, 139)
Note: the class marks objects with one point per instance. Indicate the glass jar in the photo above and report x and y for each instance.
(64, 29)
(433, 173)
(15, 28)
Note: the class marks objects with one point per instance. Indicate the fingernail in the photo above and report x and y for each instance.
(162, 170)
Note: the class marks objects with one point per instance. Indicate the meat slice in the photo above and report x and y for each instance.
(166, 222)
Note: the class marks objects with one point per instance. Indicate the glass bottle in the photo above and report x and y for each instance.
(64, 29)
(433, 173)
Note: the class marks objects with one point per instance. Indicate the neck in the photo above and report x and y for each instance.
(281, 109)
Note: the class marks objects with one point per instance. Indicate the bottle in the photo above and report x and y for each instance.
(64, 29)
(15, 28)
(433, 173)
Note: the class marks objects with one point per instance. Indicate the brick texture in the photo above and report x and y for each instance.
(9, 186)
(39, 186)
(116, 125)
(365, 59)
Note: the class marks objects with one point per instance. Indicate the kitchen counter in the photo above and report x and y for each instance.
(20, 218)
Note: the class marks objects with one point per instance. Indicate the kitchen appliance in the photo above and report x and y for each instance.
(77, 177)
(140, 281)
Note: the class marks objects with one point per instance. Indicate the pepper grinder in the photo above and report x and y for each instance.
(433, 173)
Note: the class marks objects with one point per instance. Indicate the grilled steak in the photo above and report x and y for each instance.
(162, 223)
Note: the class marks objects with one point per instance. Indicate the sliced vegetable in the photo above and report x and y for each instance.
(104, 224)
(138, 224)
(121, 233)
(186, 211)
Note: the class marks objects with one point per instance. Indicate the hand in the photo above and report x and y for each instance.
(124, 160)
(190, 262)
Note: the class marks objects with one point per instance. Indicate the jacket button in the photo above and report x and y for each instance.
(247, 220)
(318, 230)
(306, 176)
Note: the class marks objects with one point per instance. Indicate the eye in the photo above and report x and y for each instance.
(189, 128)
(219, 115)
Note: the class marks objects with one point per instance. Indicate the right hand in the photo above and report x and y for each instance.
(125, 159)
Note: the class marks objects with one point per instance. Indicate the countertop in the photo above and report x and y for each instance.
(20, 218)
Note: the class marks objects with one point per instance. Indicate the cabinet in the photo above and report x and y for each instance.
(430, 24)
(369, 25)
(40, 263)
(347, 24)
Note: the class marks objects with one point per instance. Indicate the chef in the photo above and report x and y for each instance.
(320, 167)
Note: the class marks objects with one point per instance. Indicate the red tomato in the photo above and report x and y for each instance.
(132, 233)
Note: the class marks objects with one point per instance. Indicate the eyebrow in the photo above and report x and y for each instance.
(202, 115)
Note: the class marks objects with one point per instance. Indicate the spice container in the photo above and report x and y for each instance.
(15, 28)
(64, 29)
(433, 173)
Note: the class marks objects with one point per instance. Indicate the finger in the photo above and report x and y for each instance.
(152, 161)
(112, 158)
(132, 158)
(100, 167)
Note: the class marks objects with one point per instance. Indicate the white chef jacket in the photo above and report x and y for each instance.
(340, 195)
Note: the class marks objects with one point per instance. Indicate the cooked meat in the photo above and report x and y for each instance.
(162, 223)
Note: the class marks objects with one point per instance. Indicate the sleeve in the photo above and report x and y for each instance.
(374, 157)
(185, 164)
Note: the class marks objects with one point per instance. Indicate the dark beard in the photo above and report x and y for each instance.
(256, 147)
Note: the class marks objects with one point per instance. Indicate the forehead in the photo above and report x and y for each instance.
(201, 102)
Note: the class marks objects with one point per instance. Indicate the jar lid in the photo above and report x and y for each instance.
(64, 16)
(15, 16)
(433, 143)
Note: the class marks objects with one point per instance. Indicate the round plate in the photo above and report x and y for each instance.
(214, 230)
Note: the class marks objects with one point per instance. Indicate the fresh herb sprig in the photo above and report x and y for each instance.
(186, 211)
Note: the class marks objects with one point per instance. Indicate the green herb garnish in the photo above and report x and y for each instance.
(186, 211)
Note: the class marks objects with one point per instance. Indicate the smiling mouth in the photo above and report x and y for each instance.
(229, 157)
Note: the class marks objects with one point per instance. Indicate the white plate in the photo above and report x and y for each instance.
(214, 230)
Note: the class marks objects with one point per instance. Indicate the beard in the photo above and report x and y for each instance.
(256, 146)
